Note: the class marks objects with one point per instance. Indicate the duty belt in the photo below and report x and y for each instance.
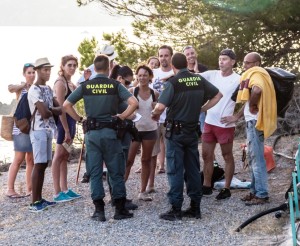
(94, 124)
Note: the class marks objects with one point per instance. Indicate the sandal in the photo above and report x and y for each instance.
(161, 170)
(139, 170)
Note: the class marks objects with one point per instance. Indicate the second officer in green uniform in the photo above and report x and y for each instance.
(184, 95)
(101, 97)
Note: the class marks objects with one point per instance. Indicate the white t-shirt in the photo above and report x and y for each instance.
(43, 93)
(225, 106)
(158, 81)
(249, 116)
(93, 75)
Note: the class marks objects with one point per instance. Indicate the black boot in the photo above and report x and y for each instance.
(85, 178)
(172, 215)
(120, 211)
(130, 205)
(193, 211)
(99, 214)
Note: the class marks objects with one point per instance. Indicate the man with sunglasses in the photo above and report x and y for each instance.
(214, 131)
(257, 92)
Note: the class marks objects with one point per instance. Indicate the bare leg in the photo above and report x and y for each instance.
(162, 154)
(229, 163)
(131, 156)
(64, 172)
(152, 171)
(55, 168)
(147, 147)
(29, 167)
(208, 158)
(37, 179)
(12, 172)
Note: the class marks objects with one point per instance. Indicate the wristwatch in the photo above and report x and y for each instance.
(80, 120)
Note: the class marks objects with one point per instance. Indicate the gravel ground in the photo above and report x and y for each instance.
(70, 223)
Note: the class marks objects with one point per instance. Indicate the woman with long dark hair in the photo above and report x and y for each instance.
(22, 144)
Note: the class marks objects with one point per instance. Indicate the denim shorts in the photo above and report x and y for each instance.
(42, 145)
(22, 143)
(61, 131)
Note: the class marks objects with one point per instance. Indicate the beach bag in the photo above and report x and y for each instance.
(217, 175)
(7, 124)
(22, 115)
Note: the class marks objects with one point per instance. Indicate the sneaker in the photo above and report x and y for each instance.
(172, 215)
(257, 201)
(48, 203)
(224, 194)
(207, 191)
(144, 197)
(62, 197)
(248, 197)
(37, 207)
(85, 178)
(72, 194)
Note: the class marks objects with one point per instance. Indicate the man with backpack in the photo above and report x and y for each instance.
(42, 107)
(260, 110)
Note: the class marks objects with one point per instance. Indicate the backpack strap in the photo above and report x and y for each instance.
(136, 92)
(153, 95)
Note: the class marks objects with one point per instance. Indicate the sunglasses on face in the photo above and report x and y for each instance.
(72, 65)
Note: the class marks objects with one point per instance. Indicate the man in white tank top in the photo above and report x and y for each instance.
(160, 75)
(226, 80)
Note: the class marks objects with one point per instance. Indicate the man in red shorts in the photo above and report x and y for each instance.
(226, 80)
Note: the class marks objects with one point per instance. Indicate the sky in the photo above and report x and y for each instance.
(31, 29)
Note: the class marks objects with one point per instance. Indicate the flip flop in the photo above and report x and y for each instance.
(15, 196)
(27, 195)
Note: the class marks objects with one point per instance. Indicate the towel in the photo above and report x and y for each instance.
(267, 106)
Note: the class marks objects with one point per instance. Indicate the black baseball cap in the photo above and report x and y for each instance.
(228, 52)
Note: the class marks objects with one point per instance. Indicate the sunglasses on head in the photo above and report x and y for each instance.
(28, 65)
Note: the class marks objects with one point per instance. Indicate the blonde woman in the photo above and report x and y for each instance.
(22, 144)
(66, 128)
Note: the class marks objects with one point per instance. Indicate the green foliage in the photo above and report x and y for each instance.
(270, 27)
(130, 53)
(87, 49)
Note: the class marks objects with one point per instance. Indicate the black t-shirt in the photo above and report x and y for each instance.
(202, 68)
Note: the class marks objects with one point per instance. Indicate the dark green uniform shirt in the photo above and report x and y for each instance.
(101, 96)
(184, 95)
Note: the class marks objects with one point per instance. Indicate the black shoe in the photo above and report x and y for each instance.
(130, 206)
(224, 194)
(207, 191)
(172, 215)
(98, 216)
(85, 178)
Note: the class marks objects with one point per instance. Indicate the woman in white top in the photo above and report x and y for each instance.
(147, 128)
(22, 144)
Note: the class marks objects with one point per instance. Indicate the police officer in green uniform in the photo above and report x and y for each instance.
(101, 97)
(184, 95)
